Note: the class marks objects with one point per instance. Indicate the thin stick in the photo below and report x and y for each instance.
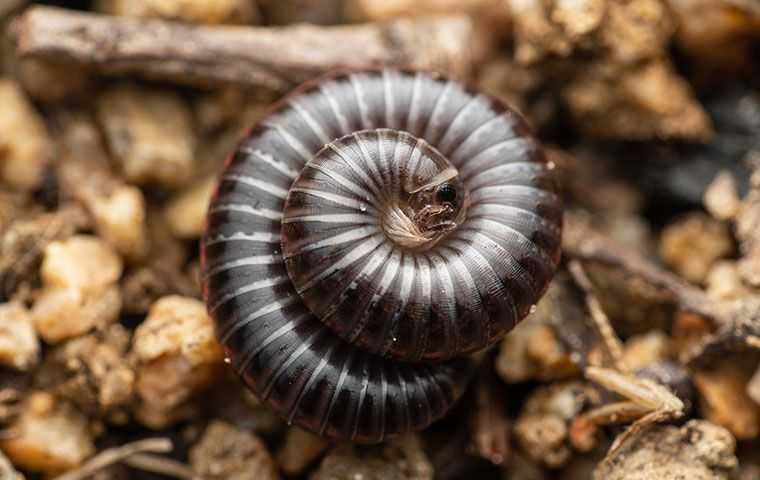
(584, 243)
(610, 340)
(117, 454)
(490, 425)
(276, 57)
(161, 465)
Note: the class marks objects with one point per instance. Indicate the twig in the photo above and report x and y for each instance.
(161, 465)
(584, 243)
(491, 427)
(601, 322)
(737, 322)
(277, 57)
(115, 455)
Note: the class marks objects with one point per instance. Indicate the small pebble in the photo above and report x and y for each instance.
(543, 438)
(693, 244)
(24, 142)
(645, 349)
(721, 198)
(724, 398)
(724, 282)
(698, 450)
(150, 149)
(532, 350)
(84, 262)
(301, 448)
(225, 452)
(19, 346)
(177, 356)
(543, 427)
(50, 436)
(93, 372)
(120, 220)
(753, 387)
(402, 458)
(80, 289)
(186, 211)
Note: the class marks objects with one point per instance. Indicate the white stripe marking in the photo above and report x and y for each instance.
(433, 120)
(390, 113)
(357, 169)
(513, 150)
(360, 101)
(335, 106)
(255, 349)
(332, 218)
(414, 103)
(262, 237)
(261, 185)
(309, 120)
(257, 285)
(359, 251)
(291, 140)
(243, 262)
(272, 307)
(341, 200)
(345, 237)
(269, 159)
(453, 126)
(341, 180)
(242, 208)
(449, 302)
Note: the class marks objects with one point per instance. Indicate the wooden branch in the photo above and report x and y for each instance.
(602, 325)
(115, 455)
(276, 58)
(161, 465)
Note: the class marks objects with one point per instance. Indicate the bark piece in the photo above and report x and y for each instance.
(276, 58)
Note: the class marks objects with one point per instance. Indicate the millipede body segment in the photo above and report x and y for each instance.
(366, 236)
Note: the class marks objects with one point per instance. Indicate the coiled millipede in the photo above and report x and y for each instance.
(369, 233)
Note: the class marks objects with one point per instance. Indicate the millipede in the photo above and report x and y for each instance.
(367, 236)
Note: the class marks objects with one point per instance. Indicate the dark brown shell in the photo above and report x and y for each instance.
(400, 322)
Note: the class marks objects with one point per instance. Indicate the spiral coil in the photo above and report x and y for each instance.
(374, 229)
